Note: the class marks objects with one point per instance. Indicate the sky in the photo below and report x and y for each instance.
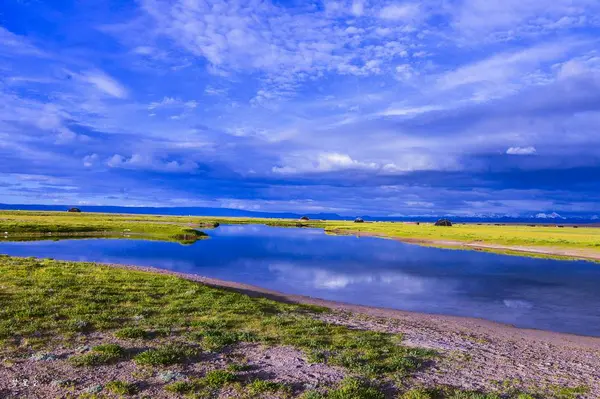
(359, 107)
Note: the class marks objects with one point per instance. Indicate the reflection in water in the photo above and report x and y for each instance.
(528, 292)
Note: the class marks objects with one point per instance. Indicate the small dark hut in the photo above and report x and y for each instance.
(77, 210)
(304, 218)
(443, 222)
(359, 220)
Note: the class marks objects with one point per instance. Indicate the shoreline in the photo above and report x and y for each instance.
(550, 252)
(469, 354)
(476, 354)
(455, 322)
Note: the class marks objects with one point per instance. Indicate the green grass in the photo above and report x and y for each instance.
(239, 367)
(349, 388)
(181, 387)
(207, 386)
(217, 379)
(99, 355)
(507, 235)
(26, 225)
(43, 299)
(132, 333)
(559, 392)
(215, 339)
(121, 388)
(260, 387)
(165, 355)
(453, 393)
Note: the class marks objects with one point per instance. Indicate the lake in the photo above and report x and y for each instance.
(544, 294)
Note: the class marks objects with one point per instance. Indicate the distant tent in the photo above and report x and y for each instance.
(443, 222)
(304, 218)
(77, 210)
(359, 220)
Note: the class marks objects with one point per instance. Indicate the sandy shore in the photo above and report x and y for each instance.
(477, 354)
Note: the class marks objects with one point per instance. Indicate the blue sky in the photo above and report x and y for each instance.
(465, 107)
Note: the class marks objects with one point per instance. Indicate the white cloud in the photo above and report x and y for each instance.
(358, 7)
(401, 12)
(287, 45)
(504, 67)
(171, 102)
(571, 69)
(144, 50)
(334, 161)
(405, 72)
(214, 91)
(510, 18)
(325, 162)
(15, 44)
(410, 111)
(521, 150)
(89, 160)
(149, 162)
(105, 83)
(166, 101)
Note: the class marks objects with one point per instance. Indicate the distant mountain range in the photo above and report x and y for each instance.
(538, 218)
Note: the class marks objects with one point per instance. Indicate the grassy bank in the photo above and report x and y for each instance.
(165, 336)
(23, 225)
(547, 240)
(509, 235)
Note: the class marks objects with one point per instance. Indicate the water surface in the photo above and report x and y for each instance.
(527, 292)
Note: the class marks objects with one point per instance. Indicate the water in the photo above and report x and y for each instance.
(527, 292)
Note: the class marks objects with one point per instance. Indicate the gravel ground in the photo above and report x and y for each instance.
(50, 375)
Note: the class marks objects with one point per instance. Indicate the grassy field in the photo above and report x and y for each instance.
(22, 225)
(143, 324)
(511, 235)
(584, 241)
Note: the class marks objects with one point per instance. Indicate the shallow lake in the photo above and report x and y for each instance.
(527, 292)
